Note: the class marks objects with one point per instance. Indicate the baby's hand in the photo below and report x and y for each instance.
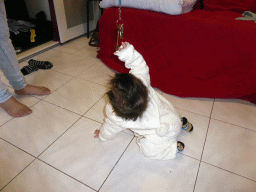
(124, 45)
(96, 132)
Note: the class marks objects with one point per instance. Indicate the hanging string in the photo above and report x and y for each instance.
(120, 21)
(119, 9)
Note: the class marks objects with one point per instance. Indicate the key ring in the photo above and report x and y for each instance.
(120, 20)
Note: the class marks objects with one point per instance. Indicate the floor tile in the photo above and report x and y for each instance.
(4, 117)
(194, 141)
(77, 95)
(201, 106)
(40, 177)
(74, 45)
(237, 112)
(12, 162)
(65, 63)
(88, 52)
(35, 132)
(231, 148)
(25, 99)
(84, 157)
(97, 112)
(134, 172)
(213, 179)
(98, 73)
(50, 79)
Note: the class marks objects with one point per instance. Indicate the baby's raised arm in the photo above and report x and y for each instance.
(134, 61)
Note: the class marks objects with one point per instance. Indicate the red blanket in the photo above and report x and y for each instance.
(198, 54)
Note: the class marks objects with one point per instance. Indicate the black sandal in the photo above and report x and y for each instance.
(95, 39)
(186, 126)
(180, 146)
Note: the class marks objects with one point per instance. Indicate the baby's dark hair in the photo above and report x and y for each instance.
(128, 96)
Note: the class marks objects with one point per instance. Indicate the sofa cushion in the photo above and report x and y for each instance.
(172, 7)
(230, 5)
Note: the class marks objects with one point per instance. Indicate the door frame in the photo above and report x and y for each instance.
(62, 34)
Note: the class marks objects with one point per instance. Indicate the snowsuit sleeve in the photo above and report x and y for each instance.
(134, 61)
(109, 128)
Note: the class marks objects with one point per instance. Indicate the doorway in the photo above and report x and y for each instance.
(70, 17)
(30, 25)
(50, 22)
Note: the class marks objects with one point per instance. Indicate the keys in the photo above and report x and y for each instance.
(118, 33)
(120, 30)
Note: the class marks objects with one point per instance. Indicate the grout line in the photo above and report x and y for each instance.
(59, 136)
(94, 104)
(76, 77)
(18, 148)
(28, 107)
(85, 69)
(53, 70)
(65, 173)
(62, 107)
(229, 171)
(116, 164)
(90, 81)
(7, 122)
(188, 156)
(105, 85)
(36, 102)
(92, 119)
(193, 112)
(203, 146)
(79, 78)
(17, 174)
(235, 125)
(59, 87)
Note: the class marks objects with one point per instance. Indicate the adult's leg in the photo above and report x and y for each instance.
(9, 66)
(8, 59)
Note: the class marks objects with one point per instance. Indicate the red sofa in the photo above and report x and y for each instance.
(204, 53)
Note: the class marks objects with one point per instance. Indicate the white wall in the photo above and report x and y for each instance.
(35, 6)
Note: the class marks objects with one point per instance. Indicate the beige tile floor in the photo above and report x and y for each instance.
(53, 149)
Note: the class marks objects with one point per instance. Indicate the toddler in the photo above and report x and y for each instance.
(135, 105)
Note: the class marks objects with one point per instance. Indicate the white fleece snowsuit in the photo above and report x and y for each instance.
(159, 125)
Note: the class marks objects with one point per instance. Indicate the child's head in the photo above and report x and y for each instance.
(128, 96)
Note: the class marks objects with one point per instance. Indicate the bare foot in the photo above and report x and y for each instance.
(33, 90)
(15, 108)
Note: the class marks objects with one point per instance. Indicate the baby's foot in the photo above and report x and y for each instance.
(33, 90)
(180, 146)
(14, 108)
(186, 126)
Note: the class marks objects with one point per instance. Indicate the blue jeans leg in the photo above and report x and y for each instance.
(8, 59)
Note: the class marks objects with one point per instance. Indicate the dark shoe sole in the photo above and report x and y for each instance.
(180, 146)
